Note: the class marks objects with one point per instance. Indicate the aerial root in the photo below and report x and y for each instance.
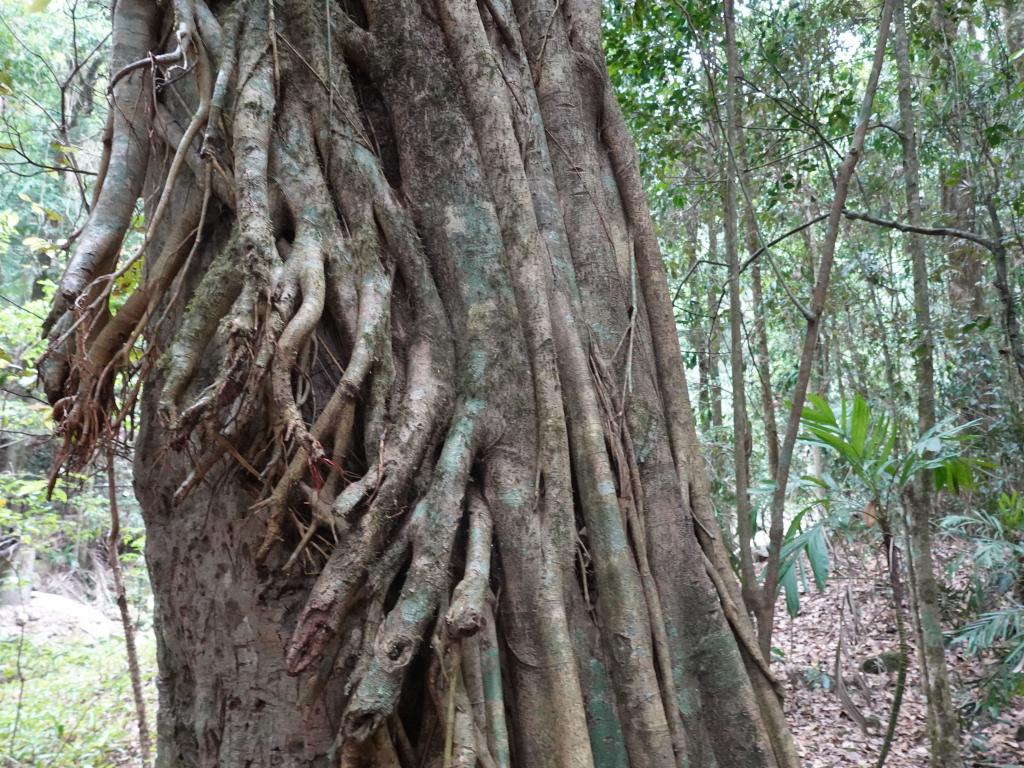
(101, 338)
(167, 128)
(178, 58)
(404, 451)
(111, 345)
(346, 501)
(473, 681)
(631, 495)
(297, 331)
(213, 299)
(494, 697)
(456, 686)
(339, 414)
(425, 585)
(214, 146)
(253, 325)
(101, 348)
(321, 517)
(125, 161)
(238, 389)
(338, 584)
(466, 613)
(298, 173)
(460, 730)
(188, 39)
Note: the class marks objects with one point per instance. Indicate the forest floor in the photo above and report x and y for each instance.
(857, 603)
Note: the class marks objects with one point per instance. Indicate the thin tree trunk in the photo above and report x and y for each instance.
(957, 194)
(762, 356)
(1013, 20)
(814, 319)
(942, 721)
(821, 385)
(715, 334)
(740, 421)
(891, 553)
(114, 558)
(754, 242)
(700, 331)
(1011, 322)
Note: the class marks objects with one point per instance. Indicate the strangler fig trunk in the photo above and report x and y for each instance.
(416, 458)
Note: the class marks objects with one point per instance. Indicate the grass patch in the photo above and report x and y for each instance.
(76, 705)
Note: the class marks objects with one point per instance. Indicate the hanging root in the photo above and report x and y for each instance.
(742, 629)
(216, 293)
(314, 222)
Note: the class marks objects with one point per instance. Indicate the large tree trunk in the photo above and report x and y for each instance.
(417, 459)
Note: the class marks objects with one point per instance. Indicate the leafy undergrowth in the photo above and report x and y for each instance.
(75, 707)
(857, 599)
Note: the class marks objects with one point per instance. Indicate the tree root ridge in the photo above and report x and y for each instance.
(382, 264)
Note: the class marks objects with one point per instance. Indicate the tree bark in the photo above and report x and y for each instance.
(958, 200)
(714, 334)
(761, 355)
(755, 246)
(407, 345)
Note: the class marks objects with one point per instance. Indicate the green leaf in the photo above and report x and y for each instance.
(859, 420)
(838, 443)
(818, 481)
(792, 590)
(817, 410)
(817, 556)
(997, 134)
(874, 449)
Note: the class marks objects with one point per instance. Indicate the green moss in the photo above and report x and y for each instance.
(686, 699)
(606, 739)
(723, 670)
(513, 497)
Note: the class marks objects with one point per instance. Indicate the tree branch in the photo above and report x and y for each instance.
(984, 242)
